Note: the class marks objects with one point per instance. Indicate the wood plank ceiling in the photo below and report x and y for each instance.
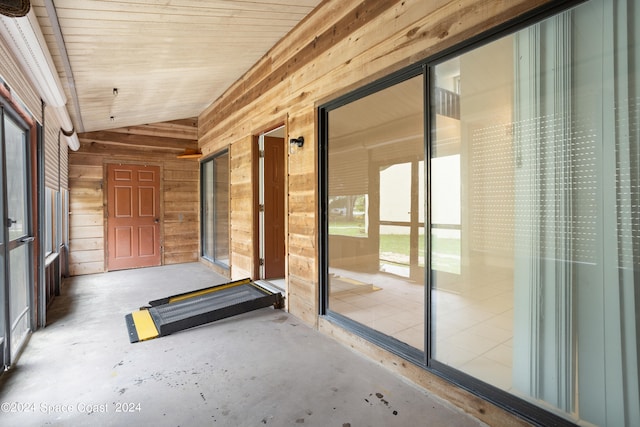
(168, 59)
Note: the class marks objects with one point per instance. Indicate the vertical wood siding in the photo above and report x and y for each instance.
(241, 215)
(55, 153)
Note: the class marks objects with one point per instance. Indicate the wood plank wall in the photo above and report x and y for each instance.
(342, 45)
(156, 144)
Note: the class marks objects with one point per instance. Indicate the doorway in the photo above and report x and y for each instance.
(133, 216)
(270, 208)
(17, 264)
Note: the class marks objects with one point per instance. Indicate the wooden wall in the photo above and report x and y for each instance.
(342, 45)
(56, 154)
(156, 144)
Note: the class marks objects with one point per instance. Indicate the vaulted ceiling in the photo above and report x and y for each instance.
(130, 62)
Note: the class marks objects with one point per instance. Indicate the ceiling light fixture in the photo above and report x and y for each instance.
(299, 141)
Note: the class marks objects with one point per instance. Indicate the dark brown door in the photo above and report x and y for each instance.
(133, 221)
(274, 179)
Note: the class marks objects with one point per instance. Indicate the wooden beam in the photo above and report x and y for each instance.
(138, 141)
(180, 129)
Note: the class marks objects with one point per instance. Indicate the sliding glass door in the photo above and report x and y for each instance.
(548, 304)
(4, 306)
(531, 215)
(16, 247)
(375, 203)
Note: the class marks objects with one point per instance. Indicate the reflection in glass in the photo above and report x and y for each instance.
(19, 296)
(445, 208)
(3, 286)
(543, 299)
(215, 210)
(376, 211)
(348, 215)
(221, 207)
(16, 152)
(207, 210)
(15, 254)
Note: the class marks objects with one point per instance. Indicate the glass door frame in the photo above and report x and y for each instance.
(5, 321)
(210, 245)
(12, 109)
(423, 359)
(395, 346)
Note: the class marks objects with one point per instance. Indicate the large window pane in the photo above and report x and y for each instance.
(18, 222)
(207, 210)
(472, 214)
(48, 221)
(215, 209)
(5, 333)
(19, 296)
(221, 208)
(376, 211)
(16, 150)
(543, 300)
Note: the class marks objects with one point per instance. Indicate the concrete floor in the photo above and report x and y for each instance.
(255, 369)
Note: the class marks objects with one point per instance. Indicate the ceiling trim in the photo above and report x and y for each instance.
(31, 50)
(57, 33)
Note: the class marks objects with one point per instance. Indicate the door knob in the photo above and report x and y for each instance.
(157, 220)
(10, 222)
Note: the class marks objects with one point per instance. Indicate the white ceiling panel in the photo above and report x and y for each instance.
(169, 59)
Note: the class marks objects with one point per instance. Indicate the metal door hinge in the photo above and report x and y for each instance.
(261, 261)
(261, 208)
(261, 154)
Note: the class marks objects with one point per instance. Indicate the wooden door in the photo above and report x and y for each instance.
(274, 216)
(133, 221)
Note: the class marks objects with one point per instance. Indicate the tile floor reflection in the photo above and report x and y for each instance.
(473, 327)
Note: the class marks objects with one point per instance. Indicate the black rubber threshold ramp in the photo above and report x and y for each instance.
(190, 309)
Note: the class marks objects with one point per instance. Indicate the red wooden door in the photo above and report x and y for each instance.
(133, 221)
(274, 217)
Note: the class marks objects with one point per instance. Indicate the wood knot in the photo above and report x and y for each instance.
(412, 32)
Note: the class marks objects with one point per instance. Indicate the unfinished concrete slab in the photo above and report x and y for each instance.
(260, 368)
